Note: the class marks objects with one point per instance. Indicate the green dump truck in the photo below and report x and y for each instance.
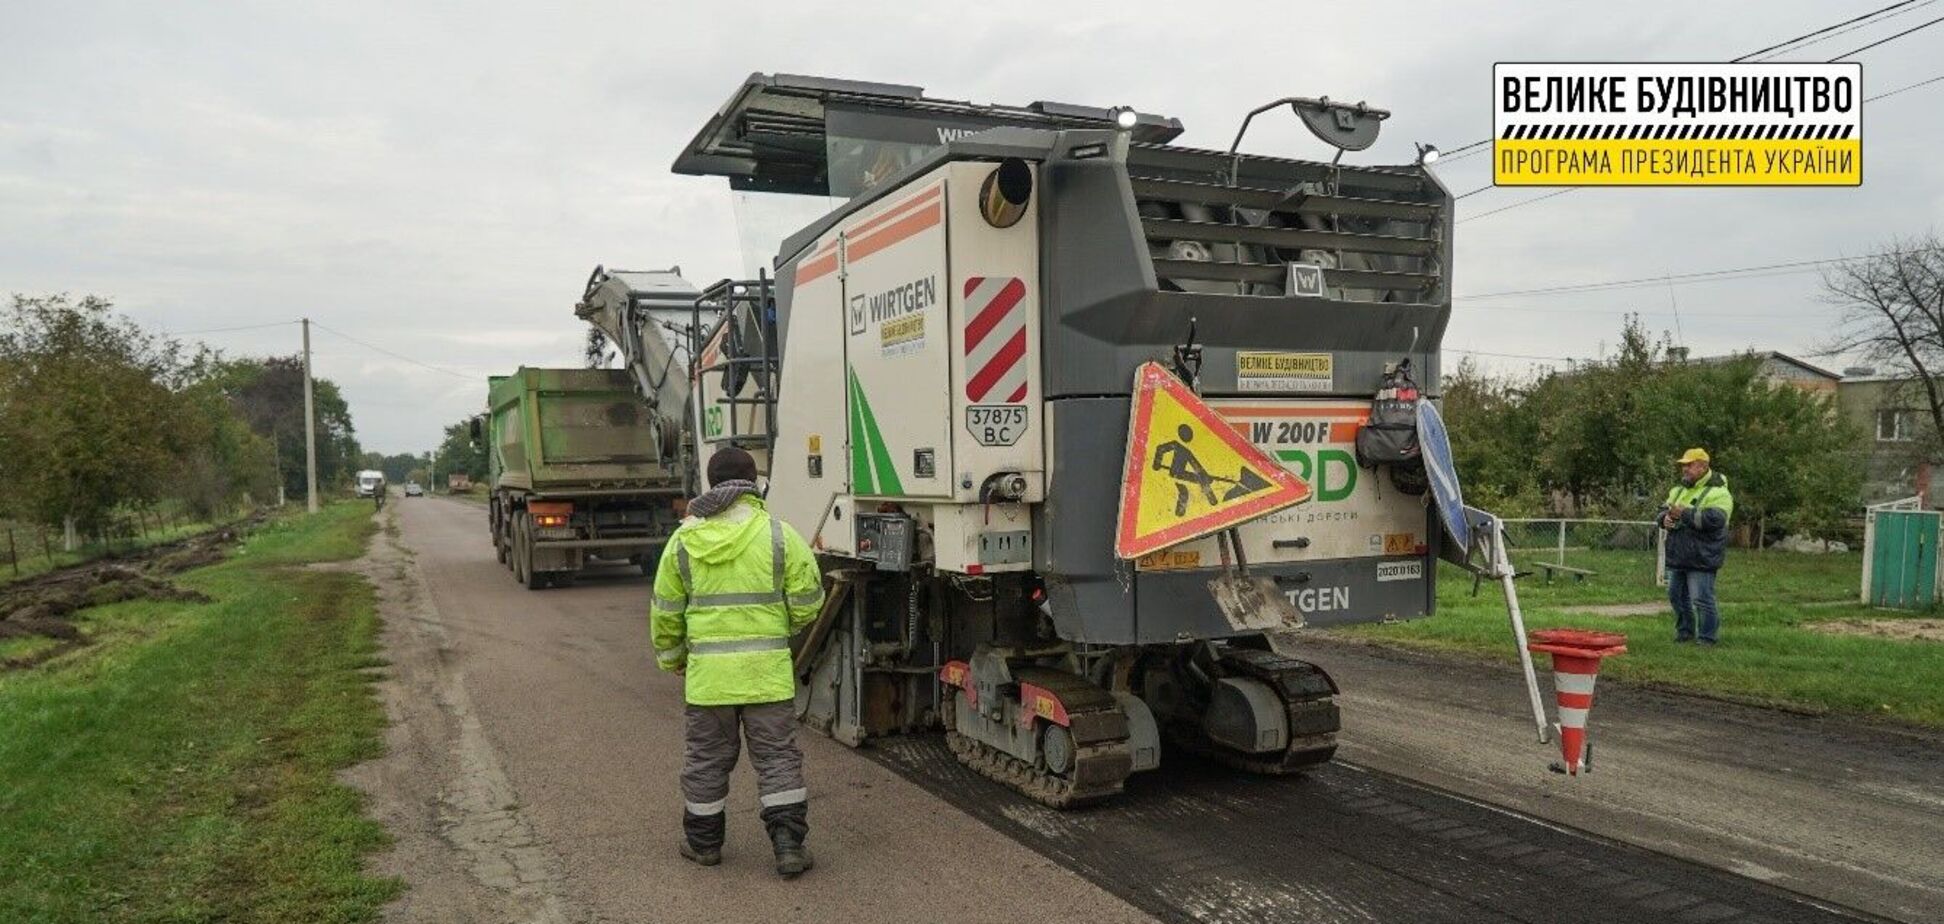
(581, 473)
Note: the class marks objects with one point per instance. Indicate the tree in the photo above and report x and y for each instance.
(397, 468)
(457, 453)
(98, 417)
(1492, 438)
(1601, 437)
(1790, 457)
(1892, 308)
(1583, 431)
(269, 394)
(90, 419)
(224, 462)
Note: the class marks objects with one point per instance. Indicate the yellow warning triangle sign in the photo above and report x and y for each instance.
(1188, 472)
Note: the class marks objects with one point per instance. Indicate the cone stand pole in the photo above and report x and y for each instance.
(1502, 564)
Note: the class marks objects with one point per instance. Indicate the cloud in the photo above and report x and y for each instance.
(438, 179)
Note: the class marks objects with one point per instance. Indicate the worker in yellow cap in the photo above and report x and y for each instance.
(1696, 520)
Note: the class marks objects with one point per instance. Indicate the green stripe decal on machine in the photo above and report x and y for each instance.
(861, 482)
(871, 469)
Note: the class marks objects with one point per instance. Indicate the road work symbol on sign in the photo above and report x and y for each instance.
(1181, 464)
(1188, 473)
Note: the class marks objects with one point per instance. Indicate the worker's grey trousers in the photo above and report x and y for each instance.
(712, 748)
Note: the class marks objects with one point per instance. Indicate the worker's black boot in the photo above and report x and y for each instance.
(702, 838)
(696, 855)
(788, 825)
(792, 858)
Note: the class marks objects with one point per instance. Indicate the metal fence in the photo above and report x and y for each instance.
(1627, 549)
(21, 542)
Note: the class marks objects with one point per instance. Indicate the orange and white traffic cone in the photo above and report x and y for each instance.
(1576, 655)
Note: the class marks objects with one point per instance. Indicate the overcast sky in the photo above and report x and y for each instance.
(438, 179)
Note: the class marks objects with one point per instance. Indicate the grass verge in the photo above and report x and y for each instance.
(182, 767)
(1769, 652)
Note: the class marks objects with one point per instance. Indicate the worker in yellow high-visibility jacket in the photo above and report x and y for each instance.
(733, 585)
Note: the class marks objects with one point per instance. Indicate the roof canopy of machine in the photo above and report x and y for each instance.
(819, 136)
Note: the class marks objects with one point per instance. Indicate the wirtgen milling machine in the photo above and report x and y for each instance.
(940, 375)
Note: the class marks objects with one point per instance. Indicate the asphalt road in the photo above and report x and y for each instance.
(1844, 811)
(533, 760)
(534, 752)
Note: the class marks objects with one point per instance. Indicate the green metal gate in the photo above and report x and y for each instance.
(1900, 560)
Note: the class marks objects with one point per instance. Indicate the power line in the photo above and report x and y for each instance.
(1920, 83)
(1464, 150)
(1833, 35)
(1646, 281)
(1885, 41)
(1563, 359)
(397, 356)
(1820, 31)
(1507, 208)
(225, 330)
(1658, 312)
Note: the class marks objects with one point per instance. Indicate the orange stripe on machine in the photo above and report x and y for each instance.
(929, 195)
(903, 220)
(925, 217)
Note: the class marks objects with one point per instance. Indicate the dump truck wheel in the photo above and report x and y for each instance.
(534, 580)
(513, 557)
(523, 549)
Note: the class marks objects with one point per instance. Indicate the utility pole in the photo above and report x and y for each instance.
(310, 429)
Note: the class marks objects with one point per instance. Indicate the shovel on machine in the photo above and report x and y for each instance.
(1250, 601)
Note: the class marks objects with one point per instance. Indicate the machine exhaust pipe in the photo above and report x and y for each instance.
(1003, 195)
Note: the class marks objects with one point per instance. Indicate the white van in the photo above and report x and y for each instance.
(370, 482)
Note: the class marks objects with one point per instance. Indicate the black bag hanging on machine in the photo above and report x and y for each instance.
(1390, 438)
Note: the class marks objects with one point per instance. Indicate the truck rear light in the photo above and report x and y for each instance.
(550, 513)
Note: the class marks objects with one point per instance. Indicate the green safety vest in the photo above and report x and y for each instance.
(729, 592)
(1710, 493)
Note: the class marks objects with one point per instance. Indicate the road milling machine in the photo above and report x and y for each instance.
(644, 316)
(940, 379)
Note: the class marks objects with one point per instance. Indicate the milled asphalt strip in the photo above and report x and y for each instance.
(1570, 831)
(1193, 842)
(1829, 807)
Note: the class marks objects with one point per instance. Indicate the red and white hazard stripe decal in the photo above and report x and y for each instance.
(995, 339)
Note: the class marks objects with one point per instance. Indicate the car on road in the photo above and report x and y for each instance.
(412, 489)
